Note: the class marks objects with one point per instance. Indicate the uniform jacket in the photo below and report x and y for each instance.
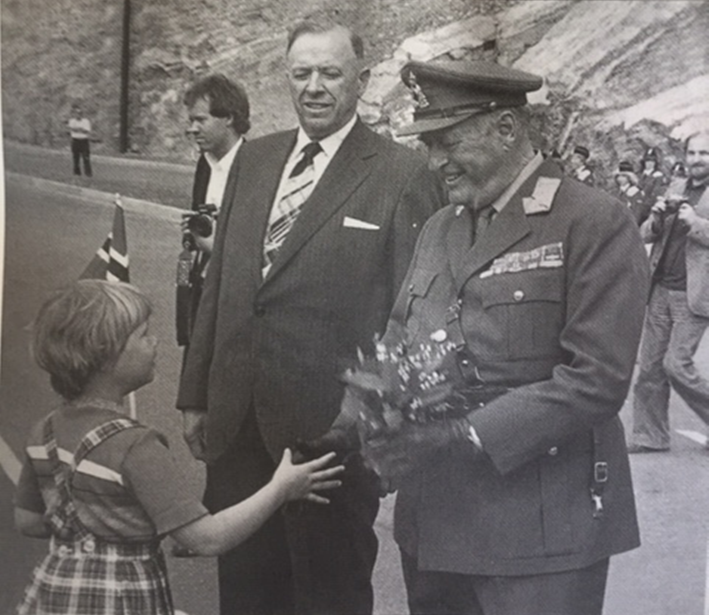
(652, 185)
(585, 174)
(552, 306)
(696, 251)
(634, 199)
(278, 344)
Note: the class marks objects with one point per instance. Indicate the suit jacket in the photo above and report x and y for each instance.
(278, 344)
(201, 181)
(552, 307)
(696, 249)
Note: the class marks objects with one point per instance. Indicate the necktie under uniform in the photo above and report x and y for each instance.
(298, 187)
(482, 220)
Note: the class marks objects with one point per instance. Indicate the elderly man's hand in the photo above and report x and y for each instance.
(398, 453)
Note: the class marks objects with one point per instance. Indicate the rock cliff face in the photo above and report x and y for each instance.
(620, 74)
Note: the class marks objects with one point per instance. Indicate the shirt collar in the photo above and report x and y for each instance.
(225, 161)
(329, 144)
(502, 200)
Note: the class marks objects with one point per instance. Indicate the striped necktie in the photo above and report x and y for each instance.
(297, 189)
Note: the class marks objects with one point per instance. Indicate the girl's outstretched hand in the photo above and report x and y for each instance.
(303, 481)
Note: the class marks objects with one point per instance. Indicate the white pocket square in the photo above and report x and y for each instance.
(355, 223)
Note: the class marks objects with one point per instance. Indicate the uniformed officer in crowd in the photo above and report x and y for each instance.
(540, 284)
(578, 165)
(652, 181)
(628, 192)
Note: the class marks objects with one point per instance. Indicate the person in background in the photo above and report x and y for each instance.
(678, 170)
(313, 241)
(652, 181)
(628, 192)
(578, 165)
(80, 133)
(513, 503)
(218, 110)
(678, 308)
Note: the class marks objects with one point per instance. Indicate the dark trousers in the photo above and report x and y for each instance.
(309, 559)
(573, 592)
(79, 151)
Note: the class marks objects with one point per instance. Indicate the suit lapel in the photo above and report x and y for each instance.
(347, 170)
(260, 174)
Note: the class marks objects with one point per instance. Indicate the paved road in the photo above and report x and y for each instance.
(150, 180)
(50, 238)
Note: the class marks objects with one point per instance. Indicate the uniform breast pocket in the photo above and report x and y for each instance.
(419, 291)
(529, 308)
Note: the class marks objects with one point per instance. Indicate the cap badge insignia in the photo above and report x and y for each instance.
(419, 97)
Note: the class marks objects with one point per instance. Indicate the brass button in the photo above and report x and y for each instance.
(518, 295)
(553, 451)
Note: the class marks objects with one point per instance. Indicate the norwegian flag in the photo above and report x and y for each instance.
(111, 260)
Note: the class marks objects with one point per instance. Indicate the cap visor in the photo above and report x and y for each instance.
(419, 126)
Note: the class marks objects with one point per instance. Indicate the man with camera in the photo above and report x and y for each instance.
(218, 111)
(678, 310)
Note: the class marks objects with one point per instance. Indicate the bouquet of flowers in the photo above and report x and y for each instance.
(399, 384)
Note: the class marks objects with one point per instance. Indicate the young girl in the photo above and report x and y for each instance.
(103, 486)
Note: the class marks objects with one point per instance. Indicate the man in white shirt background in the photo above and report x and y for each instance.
(80, 131)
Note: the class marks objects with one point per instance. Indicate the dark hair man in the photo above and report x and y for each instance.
(314, 239)
(514, 504)
(218, 110)
(678, 310)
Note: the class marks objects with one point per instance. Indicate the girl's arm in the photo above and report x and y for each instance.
(31, 523)
(215, 534)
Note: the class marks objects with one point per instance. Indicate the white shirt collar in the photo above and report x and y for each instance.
(226, 160)
(329, 144)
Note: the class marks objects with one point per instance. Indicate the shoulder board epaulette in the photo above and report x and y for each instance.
(543, 196)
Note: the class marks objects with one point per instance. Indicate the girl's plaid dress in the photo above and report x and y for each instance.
(84, 574)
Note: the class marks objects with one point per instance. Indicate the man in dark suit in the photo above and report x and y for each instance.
(218, 110)
(315, 236)
(513, 504)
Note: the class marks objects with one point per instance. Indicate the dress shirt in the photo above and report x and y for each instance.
(219, 172)
(329, 145)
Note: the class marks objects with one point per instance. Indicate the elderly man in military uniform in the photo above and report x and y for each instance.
(515, 504)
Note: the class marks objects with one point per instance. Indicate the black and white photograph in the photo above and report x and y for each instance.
(354, 307)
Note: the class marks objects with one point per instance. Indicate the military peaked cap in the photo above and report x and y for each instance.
(448, 92)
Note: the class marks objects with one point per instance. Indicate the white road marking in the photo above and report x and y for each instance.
(697, 437)
(9, 463)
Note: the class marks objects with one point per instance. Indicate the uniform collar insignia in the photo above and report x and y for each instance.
(419, 97)
(542, 197)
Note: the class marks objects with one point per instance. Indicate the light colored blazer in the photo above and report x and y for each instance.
(696, 252)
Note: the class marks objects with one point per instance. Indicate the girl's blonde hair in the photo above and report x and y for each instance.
(82, 329)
